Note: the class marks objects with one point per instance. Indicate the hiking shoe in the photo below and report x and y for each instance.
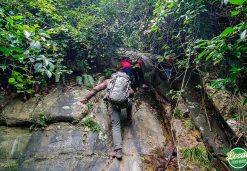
(118, 154)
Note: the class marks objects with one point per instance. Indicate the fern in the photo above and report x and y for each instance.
(88, 80)
(91, 123)
(196, 154)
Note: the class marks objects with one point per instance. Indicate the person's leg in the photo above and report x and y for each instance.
(116, 127)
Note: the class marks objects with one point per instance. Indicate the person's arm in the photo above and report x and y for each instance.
(95, 90)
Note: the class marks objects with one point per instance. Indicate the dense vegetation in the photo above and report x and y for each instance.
(42, 40)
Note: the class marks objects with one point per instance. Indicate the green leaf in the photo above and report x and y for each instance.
(5, 50)
(11, 81)
(27, 34)
(219, 83)
(237, 2)
(19, 85)
(200, 55)
(18, 76)
(7, 26)
(212, 54)
(48, 73)
(45, 35)
(154, 29)
(35, 44)
(234, 13)
(243, 35)
(236, 70)
(19, 56)
(17, 49)
(30, 91)
(203, 43)
(171, 5)
(20, 91)
(244, 102)
(10, 20)
(228, 31)
(51, 65)
(17, 17)
(38, 66)
(161, 58)
(3, 67)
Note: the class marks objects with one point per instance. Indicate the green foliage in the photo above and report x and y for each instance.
(90, 105)
(41, 122)
(229, 50)
(175, 94)
(190, 124)
(26, 50)
(88, 80)
(79, 80)
(244, 102)
(107, 73)
(90, 122)
(198, 155)
(178, 113)
(39, 38)
(237, 2)
(193, 32)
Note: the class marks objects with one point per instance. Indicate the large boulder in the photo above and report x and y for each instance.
(56, 106)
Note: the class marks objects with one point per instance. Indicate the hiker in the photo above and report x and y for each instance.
(118, 95)
(166, 67)
(126, 66)
(138, 74)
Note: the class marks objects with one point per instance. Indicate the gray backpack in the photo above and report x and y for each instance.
(118, 88)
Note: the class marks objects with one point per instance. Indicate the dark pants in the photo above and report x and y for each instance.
(116, 122)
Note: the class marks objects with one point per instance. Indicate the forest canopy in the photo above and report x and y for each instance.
(41, 40)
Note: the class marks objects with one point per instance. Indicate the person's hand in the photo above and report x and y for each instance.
(84, 101)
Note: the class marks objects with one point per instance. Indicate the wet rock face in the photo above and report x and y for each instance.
(66, 107)
(56, 106)
(65, 147)
(146, 132)
(53, 147)
(144, 135)
(13, 143)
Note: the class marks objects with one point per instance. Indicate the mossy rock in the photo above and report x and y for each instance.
(13, 143)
